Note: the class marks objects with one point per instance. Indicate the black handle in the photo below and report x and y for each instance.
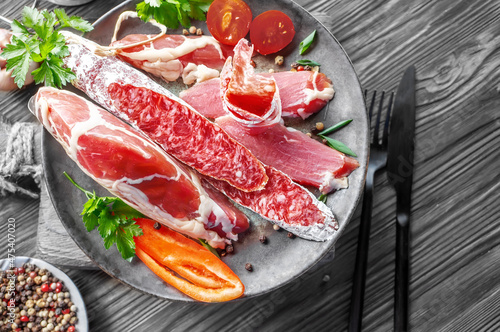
(402, 279)
(359, 279)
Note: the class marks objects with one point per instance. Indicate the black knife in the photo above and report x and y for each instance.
(400, 174)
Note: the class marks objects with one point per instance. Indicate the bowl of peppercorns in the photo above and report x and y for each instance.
(37, 296)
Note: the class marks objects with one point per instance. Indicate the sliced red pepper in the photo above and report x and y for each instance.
(186, 265)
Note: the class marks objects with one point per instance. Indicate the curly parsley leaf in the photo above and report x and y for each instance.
(38, 39)
(114, 221)
(171, 13)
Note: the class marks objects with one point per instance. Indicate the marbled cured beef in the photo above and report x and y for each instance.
(302, 158)
(302, 94)
(194, 58)
(166, 119)
(135, 169)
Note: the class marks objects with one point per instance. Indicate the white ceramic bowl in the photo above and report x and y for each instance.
(82, 325)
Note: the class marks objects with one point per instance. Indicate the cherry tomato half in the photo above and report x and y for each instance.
(271, 31)
(229, 20)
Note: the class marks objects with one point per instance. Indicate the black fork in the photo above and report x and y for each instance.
(378, 160)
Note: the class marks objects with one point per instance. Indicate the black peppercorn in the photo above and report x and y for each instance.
(229, 249)
(249, 267)
(263, 239)
(157, 225)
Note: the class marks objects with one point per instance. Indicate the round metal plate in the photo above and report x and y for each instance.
(282, 259)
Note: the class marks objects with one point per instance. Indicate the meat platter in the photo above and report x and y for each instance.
(282, 259)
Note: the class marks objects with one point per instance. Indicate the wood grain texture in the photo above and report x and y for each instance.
(455, 256)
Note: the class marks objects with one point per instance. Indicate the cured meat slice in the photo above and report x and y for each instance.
(205, 98)
(135, 169)
(286, 204)
(251, 99)
(166, 119)
(294, 153)
(302, 94)
(194, 58)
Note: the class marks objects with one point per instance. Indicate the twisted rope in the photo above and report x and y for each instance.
(18, 160)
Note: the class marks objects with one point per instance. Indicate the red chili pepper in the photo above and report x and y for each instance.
(204, 276)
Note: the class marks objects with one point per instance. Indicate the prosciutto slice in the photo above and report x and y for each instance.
(135, 169)
(251, 99)
(305, 160)
(302, 94)
(194, 58)
(288, 205)
(178, 128)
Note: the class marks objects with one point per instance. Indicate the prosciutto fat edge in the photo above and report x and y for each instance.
(168, 120)
(135, 169)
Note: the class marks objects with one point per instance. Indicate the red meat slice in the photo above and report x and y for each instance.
(135, 169)
(173, 56)
(169, 121)
(286, 204)
(303, 159)
(301, 93)
(251, 99)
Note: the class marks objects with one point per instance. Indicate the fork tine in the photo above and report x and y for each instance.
(377, 123)
(385, 137)
(371, 106)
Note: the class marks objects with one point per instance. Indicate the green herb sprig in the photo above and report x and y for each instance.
(335, 127)
(306, 62)
(322, 198)
(37, 38)
(338, 145)
(333, 143)
(209, 247)
(113, 219)
(306, 43)
(171, 13)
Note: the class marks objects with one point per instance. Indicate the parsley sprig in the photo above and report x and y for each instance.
(113, 219)
(37, 38)
(172, 12)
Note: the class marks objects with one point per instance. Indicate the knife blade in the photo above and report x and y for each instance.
(400, 175)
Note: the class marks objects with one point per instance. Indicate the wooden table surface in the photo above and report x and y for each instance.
(455, 255)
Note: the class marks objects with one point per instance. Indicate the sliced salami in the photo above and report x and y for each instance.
(286, 204)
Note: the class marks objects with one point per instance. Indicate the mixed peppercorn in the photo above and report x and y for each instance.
(42, 302)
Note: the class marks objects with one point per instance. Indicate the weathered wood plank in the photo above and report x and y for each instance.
(455, 212)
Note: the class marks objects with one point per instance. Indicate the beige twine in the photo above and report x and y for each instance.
(18, 160)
